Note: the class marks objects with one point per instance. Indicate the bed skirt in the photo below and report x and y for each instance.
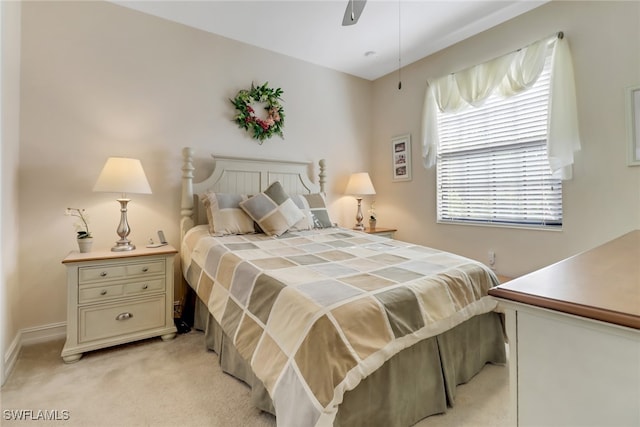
(417, 382)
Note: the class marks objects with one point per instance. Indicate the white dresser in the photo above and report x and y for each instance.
(118, 297)
(574, 339)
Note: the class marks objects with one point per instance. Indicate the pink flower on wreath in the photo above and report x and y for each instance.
(274, 114)
(250, 109)
(263, 124)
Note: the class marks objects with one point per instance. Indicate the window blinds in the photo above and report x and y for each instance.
(493, 165)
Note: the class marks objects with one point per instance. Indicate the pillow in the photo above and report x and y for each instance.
(225, 215)
(273, 210)
(315, 209)
(305, 223)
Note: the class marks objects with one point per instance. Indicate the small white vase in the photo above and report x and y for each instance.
(85, 244)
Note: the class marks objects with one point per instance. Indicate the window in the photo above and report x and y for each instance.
(492, 164)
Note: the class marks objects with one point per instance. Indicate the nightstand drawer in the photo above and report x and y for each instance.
(101, 293)
(107, 272)
(144, 287)
(153, 267)
(98, 322)
(381, 232)
(387, 234)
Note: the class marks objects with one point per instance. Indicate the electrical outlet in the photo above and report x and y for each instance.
(492, 258)
(177, 308)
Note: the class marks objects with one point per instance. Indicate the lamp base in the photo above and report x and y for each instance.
(123, 244)
(359, 217)
(123, 247)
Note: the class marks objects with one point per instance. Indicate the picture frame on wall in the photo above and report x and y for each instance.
(632, 101)
(401, 157)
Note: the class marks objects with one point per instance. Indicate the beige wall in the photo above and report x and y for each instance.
(600, 203)
(9, 149)
(101, 80)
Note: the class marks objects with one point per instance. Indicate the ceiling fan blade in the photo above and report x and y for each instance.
(353, 11)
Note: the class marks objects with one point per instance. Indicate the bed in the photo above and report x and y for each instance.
(327, 325)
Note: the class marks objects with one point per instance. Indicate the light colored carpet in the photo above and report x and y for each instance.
(179, 383)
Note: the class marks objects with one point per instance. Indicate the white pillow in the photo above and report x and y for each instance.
(225, 215)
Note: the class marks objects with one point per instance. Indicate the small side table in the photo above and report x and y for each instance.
(381, 231)
(118, 297)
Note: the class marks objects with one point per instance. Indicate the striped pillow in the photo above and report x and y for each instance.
(273, 210)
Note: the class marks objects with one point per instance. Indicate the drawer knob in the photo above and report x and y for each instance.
(104, 292)
(103, 274)
(145, 269)
(145, 286)
(124, 316)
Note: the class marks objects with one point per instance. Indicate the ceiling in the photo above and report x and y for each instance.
(312, 30)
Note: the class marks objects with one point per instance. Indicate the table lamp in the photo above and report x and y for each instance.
(123, 175)
(359, 185)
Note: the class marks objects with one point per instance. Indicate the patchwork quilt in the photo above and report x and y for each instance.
(314, 312)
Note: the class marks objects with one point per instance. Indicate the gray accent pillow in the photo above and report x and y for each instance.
(315, 209)
(273, 210)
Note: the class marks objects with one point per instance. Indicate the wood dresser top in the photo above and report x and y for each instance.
(602, 283)
(106, 255)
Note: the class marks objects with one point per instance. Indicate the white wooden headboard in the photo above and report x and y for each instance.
(242, 176)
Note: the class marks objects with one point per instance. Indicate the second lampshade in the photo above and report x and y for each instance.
(360, 185)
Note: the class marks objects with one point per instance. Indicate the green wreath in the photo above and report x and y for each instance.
(246, 118)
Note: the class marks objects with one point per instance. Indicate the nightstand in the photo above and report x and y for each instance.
(118, 297)
(380, 231)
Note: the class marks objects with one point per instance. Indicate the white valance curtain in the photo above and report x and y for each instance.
(507, 76)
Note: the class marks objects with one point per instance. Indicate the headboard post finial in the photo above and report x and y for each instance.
(322, 175)
(186, 204)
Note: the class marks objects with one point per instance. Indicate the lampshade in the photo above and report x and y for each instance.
(122, 175)
(360, 185)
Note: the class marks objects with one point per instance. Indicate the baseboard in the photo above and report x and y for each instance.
(28, 336)
(11, 356)
(43, 333)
